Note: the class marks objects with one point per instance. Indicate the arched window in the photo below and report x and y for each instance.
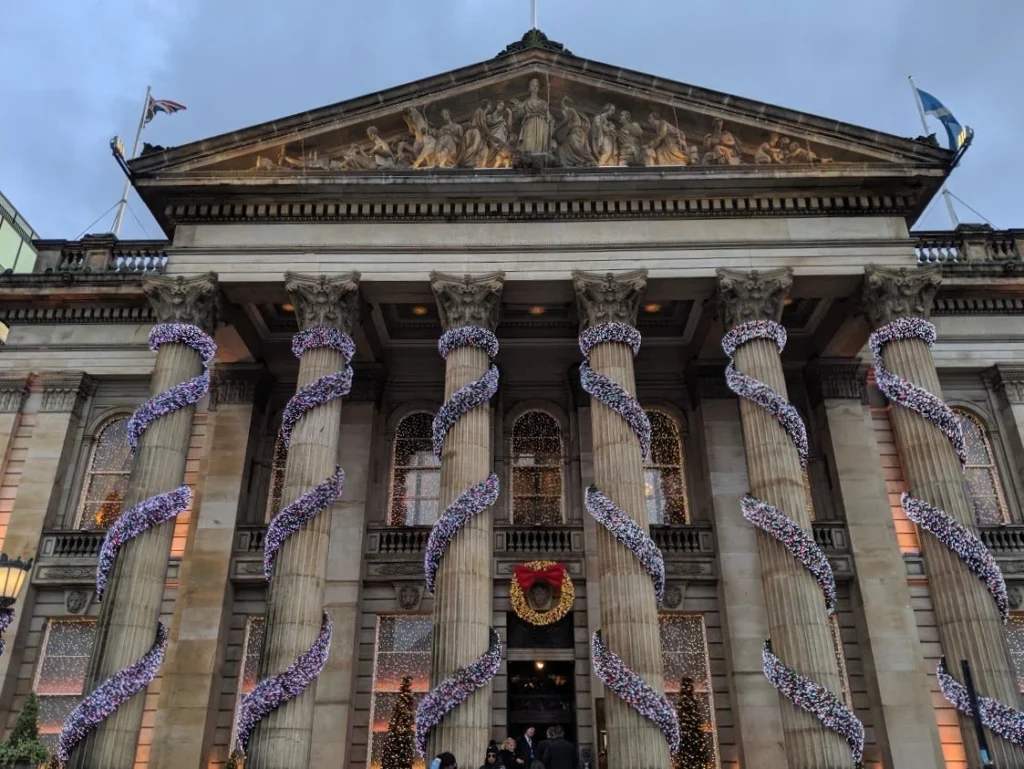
(415, 473)
(984, 486)
(536, 470)
(665, 473)
(274, 500)
(106, 478)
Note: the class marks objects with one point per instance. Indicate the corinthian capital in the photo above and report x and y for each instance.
(608, 298)
(468, 300)
(178, 299)
(321, 300)
(752, 295)
(899, 293)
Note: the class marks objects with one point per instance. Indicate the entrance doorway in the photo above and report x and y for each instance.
(542, 693)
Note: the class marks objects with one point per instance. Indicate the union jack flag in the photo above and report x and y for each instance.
(161, 105)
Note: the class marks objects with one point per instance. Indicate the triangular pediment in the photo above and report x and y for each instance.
(533, 109)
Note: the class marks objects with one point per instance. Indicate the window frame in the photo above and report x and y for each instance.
(675, 420)
(512, 469)
(43, 655)
(95, 437)
(394, 467)
(250, 620)
(994, 466)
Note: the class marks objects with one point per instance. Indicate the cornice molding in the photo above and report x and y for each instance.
(83, 314)
(12, 394)
(63, 392)
(1008, 382)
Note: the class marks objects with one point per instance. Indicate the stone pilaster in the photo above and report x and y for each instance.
(629, 613)
(756, 708)
(462, 599)
(131, 604)
(12, 396)
(904, 719)
(797, 617)
(1008, 382)
(190, 689)
(295, 602)
(968, 620)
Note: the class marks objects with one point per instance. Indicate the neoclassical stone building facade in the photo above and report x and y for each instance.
(534, 196)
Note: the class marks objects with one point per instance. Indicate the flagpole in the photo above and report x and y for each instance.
(924, 125)
(534, 14)
(123, 203)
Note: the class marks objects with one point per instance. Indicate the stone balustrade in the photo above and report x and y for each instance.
(1004, 541)
(101, 254)
(969, 244)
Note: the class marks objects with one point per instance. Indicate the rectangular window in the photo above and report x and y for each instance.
(684, 651)
(249, 668)
(1015, 635)
(60, 674)
(402, 650)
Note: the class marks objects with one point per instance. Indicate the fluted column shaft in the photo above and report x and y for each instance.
(969, 624)
(797, 617)
(462, 599)
(134, 592)
(629, 613)
(131, 604)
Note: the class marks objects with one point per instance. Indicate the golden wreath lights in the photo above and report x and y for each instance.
(547, 572)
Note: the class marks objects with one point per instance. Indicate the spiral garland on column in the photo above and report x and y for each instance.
(108, 696)
(455, 689)
(275, 690)
(6, 618)
(1005, 721)
(628, 685)
(802, 692)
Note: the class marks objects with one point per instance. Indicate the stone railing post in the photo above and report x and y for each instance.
(327, 307)
(464, 580)
(133, 595)
(797, 614)
(629, 606)
(969, 622)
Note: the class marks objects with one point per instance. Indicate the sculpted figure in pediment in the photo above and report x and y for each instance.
(796, 153)
(424, 148)
(720, 146)
(604, 137)
(572, 137)
(383, 155)
(770, 152)
(449, 138)
(535, 128)
(630, 138)
(475, 149)
(668, 147)
(499, 122)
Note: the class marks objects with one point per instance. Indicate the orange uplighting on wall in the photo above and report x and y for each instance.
(288, 307)
(537, 310)
(419, 310)
(652, 307)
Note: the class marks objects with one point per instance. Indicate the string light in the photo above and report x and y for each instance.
(470, 503)
(629, 533)
(324, 389)
(293, 517)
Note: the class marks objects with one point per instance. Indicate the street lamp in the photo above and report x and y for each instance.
(12, 577)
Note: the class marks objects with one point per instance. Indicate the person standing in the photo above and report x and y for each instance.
(526, 748)
(557, 752)
(508, 757)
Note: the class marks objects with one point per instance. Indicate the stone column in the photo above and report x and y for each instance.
(131, 604)
(191, 676)
(465, 580)
(756, 709)
(797, 616)
(969, 623)
(295, 603)
(1008, 382)
(629, 612)
(904, 719)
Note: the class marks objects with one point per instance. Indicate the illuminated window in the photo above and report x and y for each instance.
(808, 497)
(665, 473)
(536, 470)
(1015, 635)
(60, 674)
(274, 500)
(249, 669)
(837, 646)
(415, 473)
(984, 486)
(684, 652)
(402, 649)
(106, 479)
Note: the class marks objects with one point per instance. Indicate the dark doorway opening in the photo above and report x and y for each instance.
(542, 693)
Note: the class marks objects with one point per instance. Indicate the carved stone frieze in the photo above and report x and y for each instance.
(12, 394)
(64, 392)
(838, 379)
(468, 300)
(753, 295)
(236, 384)
(1008, 382)
(178, 299)
(322, 300)
(606, 298)
(899, 293)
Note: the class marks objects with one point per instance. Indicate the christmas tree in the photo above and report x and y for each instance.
(23, 744)
(696, 750)
(399, 749)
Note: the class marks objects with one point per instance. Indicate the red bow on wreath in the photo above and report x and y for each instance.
(553, 575)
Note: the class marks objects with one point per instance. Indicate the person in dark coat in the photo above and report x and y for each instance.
(507, 754)
(526, 746)
(491, 761)
(557, 752)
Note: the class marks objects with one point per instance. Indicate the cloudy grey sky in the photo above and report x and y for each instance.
(75, 74)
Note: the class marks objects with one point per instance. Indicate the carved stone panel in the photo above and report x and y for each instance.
(899, 293)
(468, 300)
(194, 300)
(12, 394)
(64, 392)
(753, 295)
(608, 298)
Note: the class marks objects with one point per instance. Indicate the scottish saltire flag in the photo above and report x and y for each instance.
(957, 133)
(161, 105)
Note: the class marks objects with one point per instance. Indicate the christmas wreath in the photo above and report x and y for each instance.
(551, 573)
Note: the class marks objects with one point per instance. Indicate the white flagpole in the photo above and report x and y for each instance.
(534, 14)
(123, 203)
(924, 125)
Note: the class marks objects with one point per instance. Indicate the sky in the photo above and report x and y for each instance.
(75, 74)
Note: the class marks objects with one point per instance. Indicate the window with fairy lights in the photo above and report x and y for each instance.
(536, 469)
(59, 681)
(249, 667)
(415, 473)
(402, 650)
(276, 480)
(984, 486)
(1015, 636)
(684, 653)
(106, 476)
(665, 472)
(837, 647)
